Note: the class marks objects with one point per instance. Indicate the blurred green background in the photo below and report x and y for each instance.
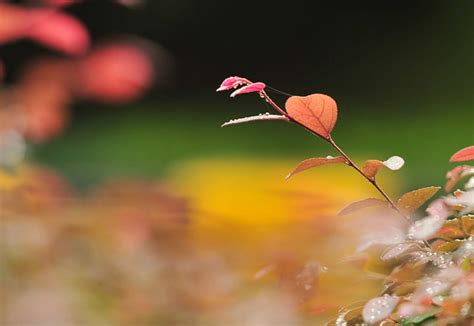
(401, 73)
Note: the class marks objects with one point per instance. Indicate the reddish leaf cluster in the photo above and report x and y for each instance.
(316, 113)
(429, 260)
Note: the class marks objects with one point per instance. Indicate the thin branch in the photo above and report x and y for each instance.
(350, 162)
(372, 181)
(267, 99)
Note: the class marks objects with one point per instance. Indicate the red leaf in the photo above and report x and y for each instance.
(464, 154)
(355, 206)
(313, 162)
(265, 116)
(317, 112)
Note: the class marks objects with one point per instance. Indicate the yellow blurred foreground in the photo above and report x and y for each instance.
(226, 242)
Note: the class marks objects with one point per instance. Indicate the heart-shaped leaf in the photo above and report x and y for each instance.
(355, 206)
(317, 112)
(313, 162)
(412, 200)
(465, 154)
(260, 117)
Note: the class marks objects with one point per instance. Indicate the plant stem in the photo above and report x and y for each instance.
(350, 162)
(267, 99)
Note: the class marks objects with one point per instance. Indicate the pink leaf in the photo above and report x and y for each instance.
(251, 88)
(313, 162)
(260, 117)
(232, 82)
(464, 154)
(355, 206)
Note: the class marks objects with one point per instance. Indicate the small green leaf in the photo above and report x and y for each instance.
(417, 320)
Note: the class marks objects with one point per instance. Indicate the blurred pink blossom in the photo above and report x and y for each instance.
(113, 73)
(45, 26)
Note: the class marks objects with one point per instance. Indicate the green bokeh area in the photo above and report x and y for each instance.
(149, 139)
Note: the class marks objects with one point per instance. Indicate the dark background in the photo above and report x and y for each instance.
(377, 50)
(401, 72)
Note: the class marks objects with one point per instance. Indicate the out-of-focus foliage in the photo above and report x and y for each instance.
(428, 270)
(37, 105)
(217, 241)
(427, 262)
